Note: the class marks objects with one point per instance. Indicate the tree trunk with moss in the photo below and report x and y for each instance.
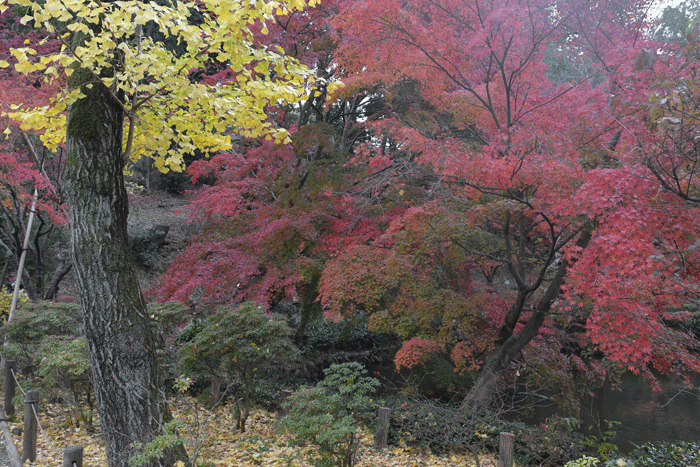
(119, 335)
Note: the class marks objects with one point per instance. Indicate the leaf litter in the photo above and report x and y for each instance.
(217, 443)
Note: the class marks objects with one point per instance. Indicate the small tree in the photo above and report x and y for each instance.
(329, 414)
(64, 364)
(237, 340)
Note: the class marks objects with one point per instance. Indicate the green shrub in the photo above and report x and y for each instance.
(270, 382)
(328, 335)
(64, 365)
(658, 453)
(142, 246)
(165, 444)
(328, 415)
(34, 322)
(444, 427)
(602, 444)
(173, 326)
(234, 344)
(584, 461)
(47, 336)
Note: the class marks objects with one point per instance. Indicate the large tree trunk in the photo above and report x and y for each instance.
(507, 348)
(119, 336)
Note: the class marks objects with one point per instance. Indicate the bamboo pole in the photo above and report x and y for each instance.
(23, 256)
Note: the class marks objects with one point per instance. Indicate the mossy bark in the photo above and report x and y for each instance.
(119, 335)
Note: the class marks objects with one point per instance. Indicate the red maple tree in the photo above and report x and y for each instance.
(554, 212)
(275, 212)
(465, 193)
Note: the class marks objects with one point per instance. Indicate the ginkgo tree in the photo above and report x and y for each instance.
(132, 91)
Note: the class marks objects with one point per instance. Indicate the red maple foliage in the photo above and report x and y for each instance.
(464, 192)
(553, 190)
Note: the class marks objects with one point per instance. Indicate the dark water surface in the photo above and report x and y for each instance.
(645, 415)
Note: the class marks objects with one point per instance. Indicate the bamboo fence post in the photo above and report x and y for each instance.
(30, 426)
(505, 450)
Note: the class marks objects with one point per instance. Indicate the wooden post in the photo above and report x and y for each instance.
(73, 454)
(10, 366)
(30, 425)
(382, 433)
(505, 450)
(284, 394)
(215, 390)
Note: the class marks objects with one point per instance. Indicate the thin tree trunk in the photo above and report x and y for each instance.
(26, 280)
(61, 270)
(119, 336)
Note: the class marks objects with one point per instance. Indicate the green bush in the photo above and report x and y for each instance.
(142, 247)
(658, 453)
(444, 427)
(328, 335)
(270, 382)
(234, 344)
(328, 415)
(33, 322)
(601, 444)
(48, 337)
(64, 366)
(166, 443)
(173, 327)
(584, 461)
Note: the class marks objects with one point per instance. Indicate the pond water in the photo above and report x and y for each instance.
(645, 415)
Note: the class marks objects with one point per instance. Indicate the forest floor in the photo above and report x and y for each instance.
(161, 208)
(219, 444)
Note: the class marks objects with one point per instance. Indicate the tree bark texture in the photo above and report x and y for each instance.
(117, 327)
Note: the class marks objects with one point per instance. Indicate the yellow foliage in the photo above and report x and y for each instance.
(6, 303)
(167, 114)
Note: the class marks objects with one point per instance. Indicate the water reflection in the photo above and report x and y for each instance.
(645, 415)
